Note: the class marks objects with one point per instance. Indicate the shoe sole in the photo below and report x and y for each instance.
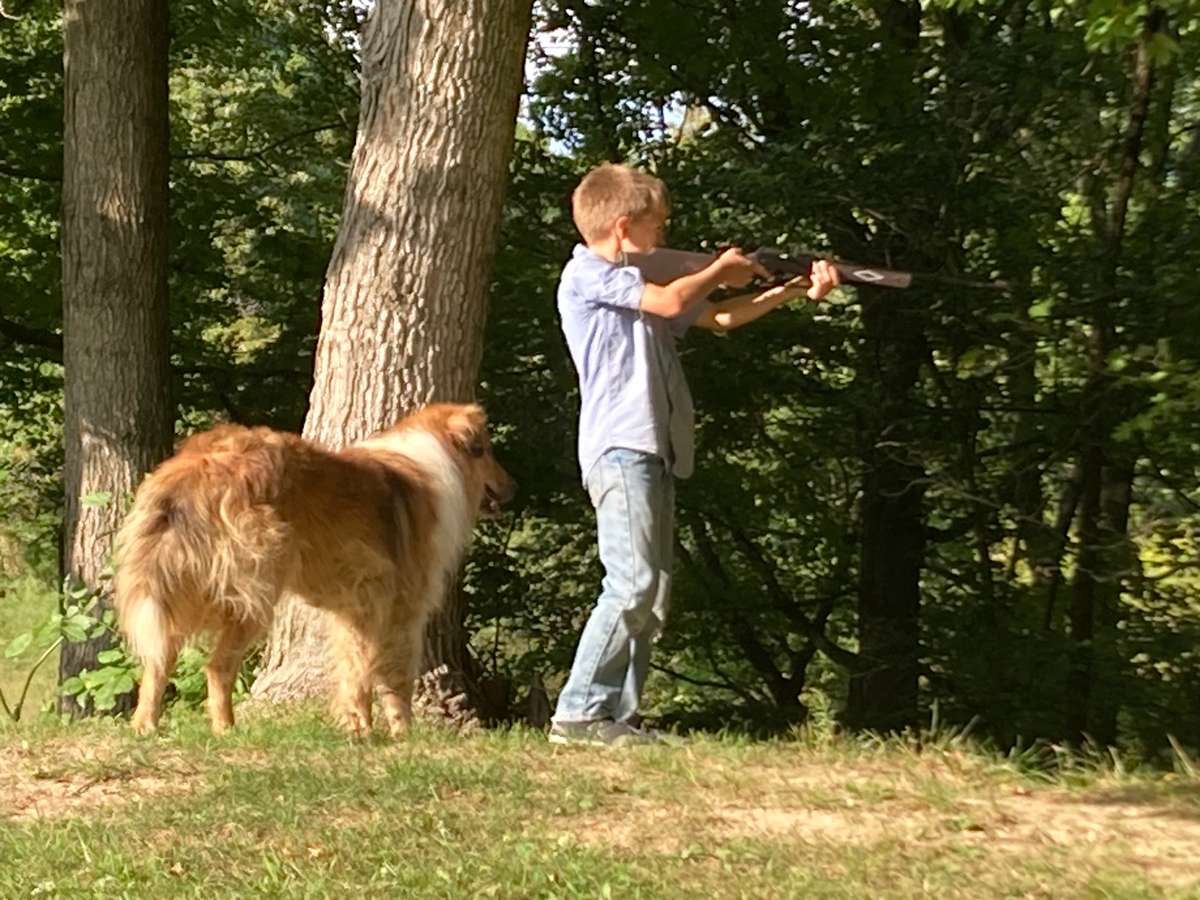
(585, 742)
(563, 739)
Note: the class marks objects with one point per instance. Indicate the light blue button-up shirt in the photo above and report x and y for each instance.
(633, 393)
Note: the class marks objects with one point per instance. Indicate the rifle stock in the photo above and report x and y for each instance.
(665, 265)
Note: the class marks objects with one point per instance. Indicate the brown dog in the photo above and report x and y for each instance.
(241, 517)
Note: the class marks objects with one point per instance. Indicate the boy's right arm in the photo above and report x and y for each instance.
(670, 300)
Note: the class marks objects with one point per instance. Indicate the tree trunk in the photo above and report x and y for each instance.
(1098, 572)
(883, 684)
(1036, 539)
(406, 289)
(118, 415)
(883, 694)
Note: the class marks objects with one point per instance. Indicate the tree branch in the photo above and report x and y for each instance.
(781, 688)
(701, 682)
(9, 172)
(47, 344)
(260, 153)
(813, 629)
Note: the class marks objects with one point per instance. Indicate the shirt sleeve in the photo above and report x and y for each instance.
(682, 323)
(620, 287)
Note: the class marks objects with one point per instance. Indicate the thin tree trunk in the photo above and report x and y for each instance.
(1036, 539)
(1094, 566)
(118, 415)
(883, 688)
(406, 289)
(883, 694)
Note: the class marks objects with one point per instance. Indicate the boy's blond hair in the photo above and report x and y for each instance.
(610, 191)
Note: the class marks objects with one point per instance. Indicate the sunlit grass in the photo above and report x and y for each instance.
(286, 806)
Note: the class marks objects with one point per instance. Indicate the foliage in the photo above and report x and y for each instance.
(952, 138)
(933, 142)
(80, 618)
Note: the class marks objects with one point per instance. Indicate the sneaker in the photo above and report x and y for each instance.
(658, 736)
(602, 733)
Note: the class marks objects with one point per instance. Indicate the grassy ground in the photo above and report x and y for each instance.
(24, 603)
(286, 807)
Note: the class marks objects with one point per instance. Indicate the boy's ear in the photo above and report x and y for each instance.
(621, 227)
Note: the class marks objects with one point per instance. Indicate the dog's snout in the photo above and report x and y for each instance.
(506, 490)
(502, 485)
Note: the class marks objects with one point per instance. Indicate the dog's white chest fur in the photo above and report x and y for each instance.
(455, 518)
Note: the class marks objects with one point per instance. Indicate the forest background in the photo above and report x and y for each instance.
(978, 505)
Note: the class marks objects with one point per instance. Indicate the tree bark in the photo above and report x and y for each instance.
(883, 686)
(1102, 525)
(406, 288)
(883, 692)
(118, 414)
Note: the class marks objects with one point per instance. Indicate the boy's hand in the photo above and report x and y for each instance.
(737, 269)
(824, 278)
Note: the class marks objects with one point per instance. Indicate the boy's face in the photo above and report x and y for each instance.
(640, 235)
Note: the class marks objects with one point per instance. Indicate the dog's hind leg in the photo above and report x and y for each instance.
(154, 639)
(399, 658)
(156, 669)
(228, 650)
(353, 655)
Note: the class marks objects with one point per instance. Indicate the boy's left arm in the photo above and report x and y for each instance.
(745, 308)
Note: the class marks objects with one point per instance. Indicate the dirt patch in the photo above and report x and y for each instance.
(72, 795)
(1156, 839)
(63, 779)
(859, 806)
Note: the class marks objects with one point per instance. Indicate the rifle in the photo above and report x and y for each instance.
(665, 265)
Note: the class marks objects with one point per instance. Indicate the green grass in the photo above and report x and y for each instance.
(286, 807)
(24, 603)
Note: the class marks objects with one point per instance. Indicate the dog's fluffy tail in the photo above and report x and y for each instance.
(146, 624)
(199, 547)
(142, 586)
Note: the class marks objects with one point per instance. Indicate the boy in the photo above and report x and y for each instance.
(635, 429)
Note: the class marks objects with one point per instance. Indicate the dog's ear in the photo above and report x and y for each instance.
(468, 429)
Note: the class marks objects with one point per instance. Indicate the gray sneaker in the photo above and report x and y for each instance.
(602, 733)
(658, 736)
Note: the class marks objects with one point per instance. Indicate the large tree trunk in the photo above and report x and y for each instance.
(118, 416)
(406, 289)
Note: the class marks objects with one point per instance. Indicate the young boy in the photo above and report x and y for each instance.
(635, 429)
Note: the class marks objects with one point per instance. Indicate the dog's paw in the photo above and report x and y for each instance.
(143, 725)
(356, 724)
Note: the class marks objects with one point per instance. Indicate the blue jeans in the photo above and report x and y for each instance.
(634, 497)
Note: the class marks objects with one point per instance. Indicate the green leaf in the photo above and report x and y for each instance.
(79, 620)
(1041, 309)
(96, 499)
(48, 630)
(123, 684)
(73, 632)
(18, 645)
(112, 655)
